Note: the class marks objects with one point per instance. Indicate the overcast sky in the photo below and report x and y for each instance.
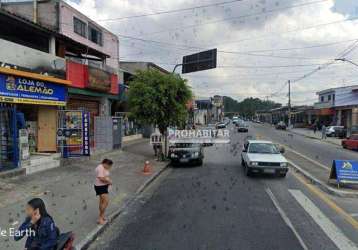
(262, 43)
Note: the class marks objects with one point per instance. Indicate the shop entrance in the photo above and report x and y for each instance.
(9, 150)
(47, 125)
(73, 133)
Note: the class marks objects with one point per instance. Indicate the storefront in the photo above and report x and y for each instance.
(93, 90)
(34, 101)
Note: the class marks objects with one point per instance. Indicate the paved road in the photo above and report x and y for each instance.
(322, 152)
(217, 207)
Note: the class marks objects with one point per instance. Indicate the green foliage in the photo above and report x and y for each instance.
(248, 106)
(160, 99)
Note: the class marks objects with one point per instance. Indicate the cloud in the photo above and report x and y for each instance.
(270, 26)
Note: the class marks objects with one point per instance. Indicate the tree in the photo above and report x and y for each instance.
(159, 99)
(248, 106)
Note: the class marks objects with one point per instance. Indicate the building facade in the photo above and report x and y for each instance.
(33, 88)
(339, 106)
(56, 60)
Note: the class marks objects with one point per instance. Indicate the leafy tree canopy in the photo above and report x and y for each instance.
(160, 99)
(248, 106)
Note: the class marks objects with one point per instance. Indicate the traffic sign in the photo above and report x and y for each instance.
(200, 61)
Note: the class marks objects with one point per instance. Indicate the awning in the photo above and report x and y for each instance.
(326, 111)
(34, 76)
(92, 93)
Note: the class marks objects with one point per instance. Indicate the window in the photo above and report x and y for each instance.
(322, 98)
(334, 97)
(94, 35)
(79, 27)
(329, 97)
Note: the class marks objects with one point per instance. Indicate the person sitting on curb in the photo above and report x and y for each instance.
(39, 227)
(101, 186)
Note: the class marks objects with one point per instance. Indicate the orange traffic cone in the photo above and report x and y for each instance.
(147, 168)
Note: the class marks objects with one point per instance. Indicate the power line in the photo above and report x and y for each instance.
(253, 66)
(169, 11)
(238, 17)
(192, 48)
(345, 52)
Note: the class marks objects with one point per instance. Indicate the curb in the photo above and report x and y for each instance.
(92, 236)
(323, 186)
(314, 138)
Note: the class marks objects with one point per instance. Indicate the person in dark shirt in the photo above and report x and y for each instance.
(39, 227)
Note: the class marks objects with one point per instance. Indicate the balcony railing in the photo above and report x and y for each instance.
(322, 105)
(32, 60)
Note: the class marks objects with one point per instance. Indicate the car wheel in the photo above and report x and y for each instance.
(247, 172)
(200, 163)
(282, 175)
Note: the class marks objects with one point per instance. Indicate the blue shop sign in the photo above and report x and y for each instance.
(345, 171)
(15, 89)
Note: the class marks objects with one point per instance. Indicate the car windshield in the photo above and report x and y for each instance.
(263, 148)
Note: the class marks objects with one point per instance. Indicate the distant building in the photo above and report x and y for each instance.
(217, 108)
(203, 112)
(338, 106)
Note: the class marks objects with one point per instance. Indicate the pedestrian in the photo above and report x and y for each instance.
(38, 227)
(101, 186)
(324, 134)
(314, 128)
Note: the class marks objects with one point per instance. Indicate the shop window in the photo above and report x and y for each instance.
(95, 35)
(79, 27)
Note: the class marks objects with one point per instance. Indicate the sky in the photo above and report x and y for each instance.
(262, 43)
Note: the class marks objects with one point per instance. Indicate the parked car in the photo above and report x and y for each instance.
(186, 153)
(235, 119)
(281, 125)
(351, 142)
(333, 130)
(221, 125)
(263, 157)
(242, 127)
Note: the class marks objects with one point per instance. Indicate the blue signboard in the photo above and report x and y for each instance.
(24, 90)
(86, 134)
(344, 171)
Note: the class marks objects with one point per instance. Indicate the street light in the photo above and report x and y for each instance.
(346, 60)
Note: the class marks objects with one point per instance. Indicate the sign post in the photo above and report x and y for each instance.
(344, 171)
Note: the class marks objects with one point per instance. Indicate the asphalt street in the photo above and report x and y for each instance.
(322, 152)
(217, 207)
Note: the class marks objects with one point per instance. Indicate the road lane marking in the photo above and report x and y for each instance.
(285, 217)
(301, 155)
(331, 230)
(307, 158)
(327, 200)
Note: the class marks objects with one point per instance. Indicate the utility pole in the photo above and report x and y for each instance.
(289, 103)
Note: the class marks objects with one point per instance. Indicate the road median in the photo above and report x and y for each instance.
(318, 174)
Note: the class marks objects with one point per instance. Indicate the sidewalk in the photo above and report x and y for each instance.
(68, 191)
(318, 135)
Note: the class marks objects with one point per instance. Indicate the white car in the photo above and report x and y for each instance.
(331, 130)
(263, 157)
